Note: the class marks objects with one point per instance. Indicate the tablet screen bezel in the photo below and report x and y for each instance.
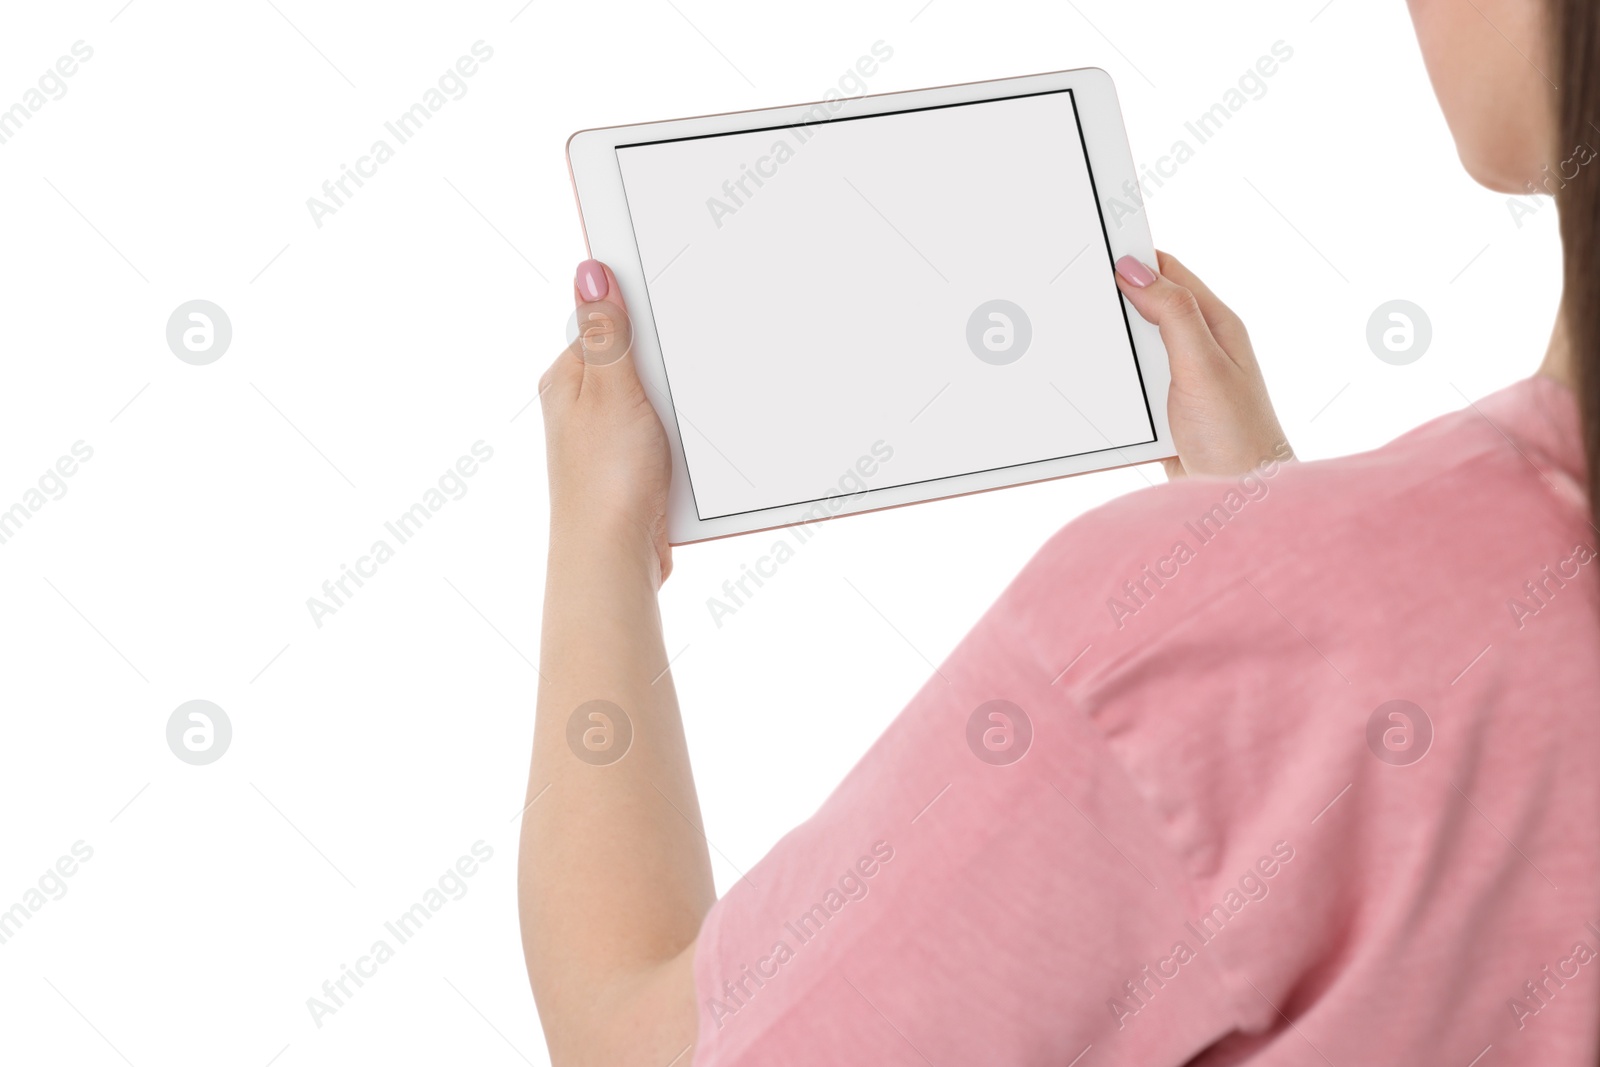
(602, 203)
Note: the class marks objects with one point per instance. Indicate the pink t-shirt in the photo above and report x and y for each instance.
(1297, 768)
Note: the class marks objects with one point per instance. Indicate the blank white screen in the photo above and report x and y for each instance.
(824, 308)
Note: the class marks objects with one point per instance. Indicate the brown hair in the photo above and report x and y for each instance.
(1576, 25)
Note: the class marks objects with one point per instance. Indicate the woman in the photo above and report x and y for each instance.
(1324, 791)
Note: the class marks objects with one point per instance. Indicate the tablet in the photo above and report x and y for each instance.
(880, 300)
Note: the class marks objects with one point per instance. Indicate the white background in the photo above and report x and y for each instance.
(369, 354)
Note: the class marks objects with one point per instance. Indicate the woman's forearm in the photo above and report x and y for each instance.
(614, 875)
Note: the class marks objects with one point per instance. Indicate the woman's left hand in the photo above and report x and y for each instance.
(1221, 416)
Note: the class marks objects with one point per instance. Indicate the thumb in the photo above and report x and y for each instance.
(600, 336)
(1173, 309)
(604, 330)
(593, 282)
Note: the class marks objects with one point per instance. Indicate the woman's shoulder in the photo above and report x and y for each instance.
(1463, 496)
(1234, 638)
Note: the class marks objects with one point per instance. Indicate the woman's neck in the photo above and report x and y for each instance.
(1558, 362)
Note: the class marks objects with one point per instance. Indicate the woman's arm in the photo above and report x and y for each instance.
(614, 876)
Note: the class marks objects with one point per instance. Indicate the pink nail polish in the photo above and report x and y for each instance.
(592, 284)
(1134, 272)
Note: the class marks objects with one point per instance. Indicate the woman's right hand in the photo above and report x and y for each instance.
(1221, 416)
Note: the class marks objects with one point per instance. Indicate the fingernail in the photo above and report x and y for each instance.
(1134, 272)
(592, 284)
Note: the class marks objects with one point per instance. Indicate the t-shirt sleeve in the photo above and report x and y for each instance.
(987, 885)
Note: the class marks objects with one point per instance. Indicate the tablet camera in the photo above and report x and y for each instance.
(599, 333)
